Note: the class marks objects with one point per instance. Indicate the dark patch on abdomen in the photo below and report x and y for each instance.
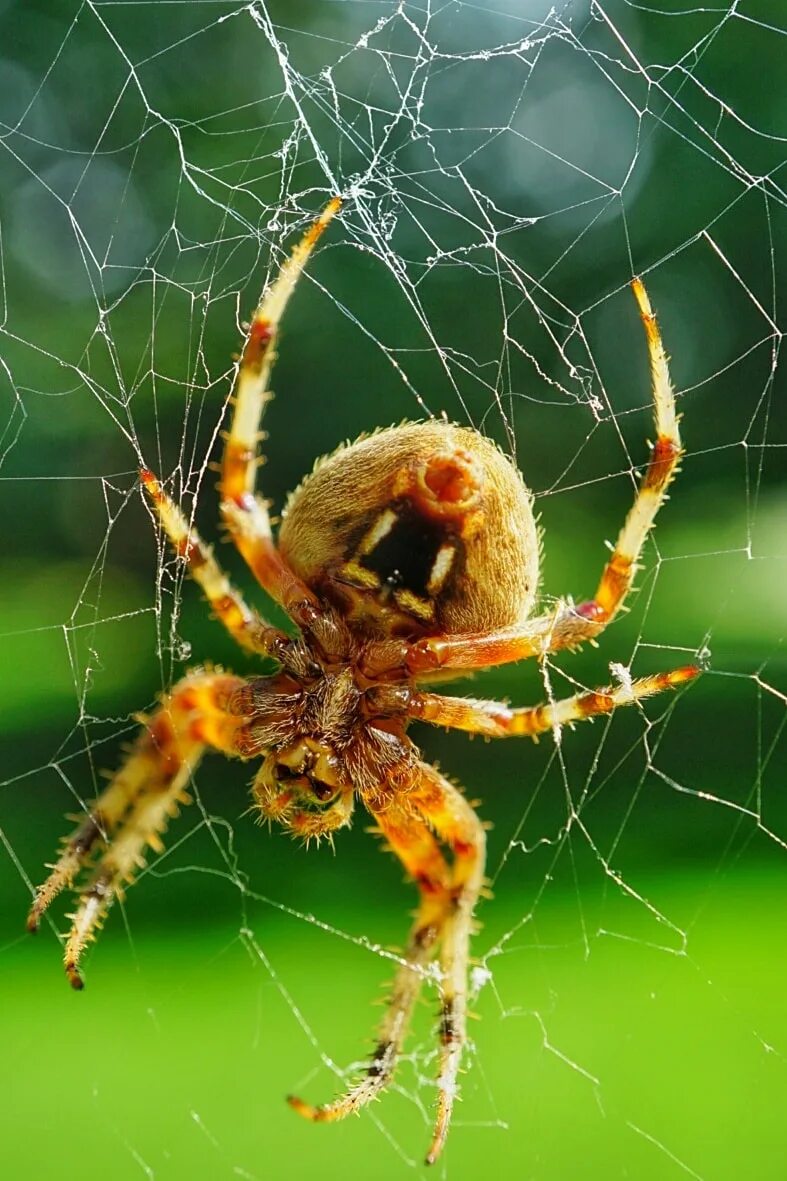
(404, 557)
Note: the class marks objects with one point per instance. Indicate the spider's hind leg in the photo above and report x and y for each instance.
(137, 805)
(571, 625)
(244, 511)
(243, 623)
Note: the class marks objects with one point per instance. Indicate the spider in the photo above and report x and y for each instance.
(408, 556)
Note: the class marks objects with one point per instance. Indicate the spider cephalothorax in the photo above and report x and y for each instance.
(321, 741)
(409, 555)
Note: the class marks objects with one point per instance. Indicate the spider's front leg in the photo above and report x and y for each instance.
(410, 839)
(135, 808)
(444, 920)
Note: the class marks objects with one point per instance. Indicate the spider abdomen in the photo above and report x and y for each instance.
(419, 528)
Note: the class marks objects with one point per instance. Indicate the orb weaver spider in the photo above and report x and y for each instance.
(405, 556)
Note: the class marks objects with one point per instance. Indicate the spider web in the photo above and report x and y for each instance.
(506, 169)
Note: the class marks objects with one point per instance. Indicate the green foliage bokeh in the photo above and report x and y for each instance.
(156, 162)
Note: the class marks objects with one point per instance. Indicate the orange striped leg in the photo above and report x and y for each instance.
(244, 512)
(450, 815)
(619, 571)
(138, 803)
(95, 828)
(572, 624)
(494, 719)
(242, 622)
(413, 843)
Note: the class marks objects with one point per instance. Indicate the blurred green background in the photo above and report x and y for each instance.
(506, 170)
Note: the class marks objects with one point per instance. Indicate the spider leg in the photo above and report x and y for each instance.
(138, 803)
(494, 719)
(96, 827)
(572, 624)
(448, 898)
(244, 512)
(665, 456)
(242, 622)
(409, 837)
(456, 823)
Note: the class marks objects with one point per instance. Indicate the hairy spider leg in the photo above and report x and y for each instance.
(494, 719)
(144, 794)
(243, 623)
(665, 456)
(97, 825)
(243, 510)
(455, 822)
(411, 840)
(570, 625)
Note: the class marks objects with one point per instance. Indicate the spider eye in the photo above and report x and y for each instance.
(323, 791)
(308, 792)
(309, 771)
